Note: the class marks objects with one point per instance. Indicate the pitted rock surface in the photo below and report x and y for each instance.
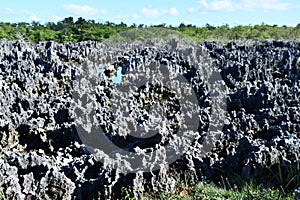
(43, 157)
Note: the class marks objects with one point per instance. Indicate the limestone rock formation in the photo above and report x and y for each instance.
(57, 99)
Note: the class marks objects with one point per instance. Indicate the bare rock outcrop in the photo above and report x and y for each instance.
(209, 112)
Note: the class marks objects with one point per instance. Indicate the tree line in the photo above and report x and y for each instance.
(69, 30)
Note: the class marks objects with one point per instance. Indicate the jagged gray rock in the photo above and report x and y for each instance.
(41, 150)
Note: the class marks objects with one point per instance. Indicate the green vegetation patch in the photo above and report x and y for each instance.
(69, 30)
(214, 192)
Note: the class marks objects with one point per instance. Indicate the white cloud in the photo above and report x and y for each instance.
(150, 12)
(8, 11)
(242, 5)
(31, 15)
(154, 12)
(192, 9)
(102, 11)
(215, 5)
(136, 16)
(173, 11)
(33, 18)
(82, 10)
(265, 4)
(221, 5)
(203, 4)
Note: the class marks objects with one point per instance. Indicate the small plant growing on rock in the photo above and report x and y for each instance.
(126, 194)
(2, 194)
(285, 176)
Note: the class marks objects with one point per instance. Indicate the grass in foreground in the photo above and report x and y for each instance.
(210, 191)
(207, 191)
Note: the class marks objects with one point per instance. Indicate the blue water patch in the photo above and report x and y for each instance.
(116, 79)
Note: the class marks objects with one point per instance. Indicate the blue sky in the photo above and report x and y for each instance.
(171, 12)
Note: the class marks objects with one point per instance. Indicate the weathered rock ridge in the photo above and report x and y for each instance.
(42, 155)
